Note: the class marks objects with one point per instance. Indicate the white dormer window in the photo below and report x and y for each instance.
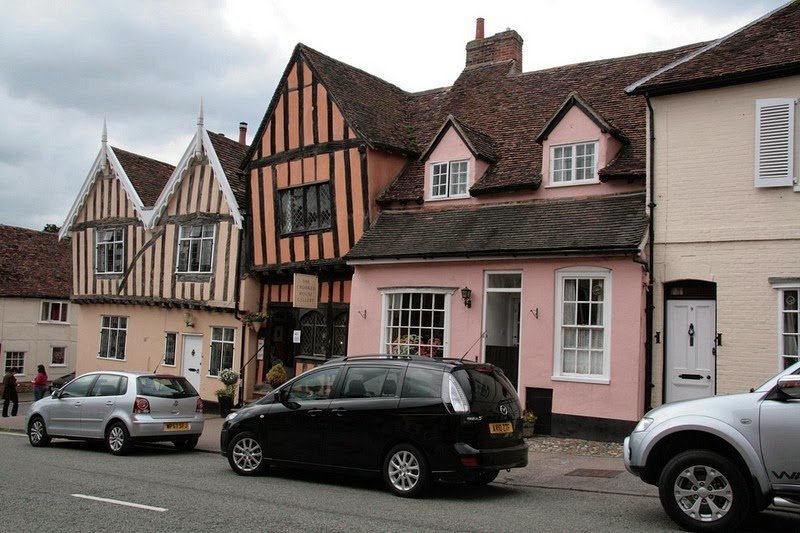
(449, 179)
(572, 164)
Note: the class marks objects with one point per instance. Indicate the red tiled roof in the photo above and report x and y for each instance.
(34, 264)
(147, 176)
(231, 155)
(767, 47)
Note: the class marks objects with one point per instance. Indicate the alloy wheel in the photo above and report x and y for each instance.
(247, 454)
(36, 431)
(703, 493)
(404, 470)
(116, 438)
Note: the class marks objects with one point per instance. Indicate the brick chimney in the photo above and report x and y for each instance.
(499, 47)
(243, 133)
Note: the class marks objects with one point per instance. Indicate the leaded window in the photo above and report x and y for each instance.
(113, 333)
(339, 347)
(415, 323)
(110, 251)
(195, 248)
(305, 208)
(314, 340)
(790, 334)
(222, 343)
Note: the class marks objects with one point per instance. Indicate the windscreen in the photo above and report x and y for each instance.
(486, 389)
(165, 387)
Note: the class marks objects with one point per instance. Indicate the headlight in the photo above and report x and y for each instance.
(643, 425)
(231, 416)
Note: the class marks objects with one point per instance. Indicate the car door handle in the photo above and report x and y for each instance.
(314, 412)
(339, 412)
(109, 403)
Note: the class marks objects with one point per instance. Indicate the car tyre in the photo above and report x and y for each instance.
(118, 440)
(405, 471)
(186, 444)
(483, 477)
(704, 491)
(246, 455)
(37, 432)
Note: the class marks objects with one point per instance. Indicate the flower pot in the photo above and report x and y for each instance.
(225, 405)
(527, 429)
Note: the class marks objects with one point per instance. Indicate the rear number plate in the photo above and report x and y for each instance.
(500, 428)
(176, 426)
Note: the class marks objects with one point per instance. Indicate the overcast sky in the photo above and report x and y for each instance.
(64, 66)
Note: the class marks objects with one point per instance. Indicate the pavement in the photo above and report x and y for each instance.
(553, 470)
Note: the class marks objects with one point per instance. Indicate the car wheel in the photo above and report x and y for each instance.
(405, 471)
(187, 444)
(118, 441)
(483, 477)
(37, 432)
(245, 455)
(704, 491)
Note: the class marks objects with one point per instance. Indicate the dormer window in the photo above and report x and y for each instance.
(572, 164)
(449, 179)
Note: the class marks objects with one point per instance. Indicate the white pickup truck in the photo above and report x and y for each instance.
(717, 459)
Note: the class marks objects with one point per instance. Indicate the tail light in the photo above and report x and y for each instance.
(199, 406)
(141, 406)
(452, 394)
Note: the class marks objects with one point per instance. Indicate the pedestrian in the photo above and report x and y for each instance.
(10, 392)
(39, 383)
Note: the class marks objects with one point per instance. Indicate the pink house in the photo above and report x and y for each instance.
(517, 235)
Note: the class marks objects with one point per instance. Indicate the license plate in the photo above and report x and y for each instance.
(176, 426)
(499, 428)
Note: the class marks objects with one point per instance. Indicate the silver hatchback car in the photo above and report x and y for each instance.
(119, 408)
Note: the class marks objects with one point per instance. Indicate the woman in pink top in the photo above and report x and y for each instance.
(39, 383)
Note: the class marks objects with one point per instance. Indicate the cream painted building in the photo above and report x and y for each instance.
(725, 202)
(38, 323)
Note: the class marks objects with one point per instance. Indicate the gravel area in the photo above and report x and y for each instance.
(545, 444)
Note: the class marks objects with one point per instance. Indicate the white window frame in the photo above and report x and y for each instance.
(117, 329)
(48, 304)
(782, 288)
(582, 273)
(386, 293)
(20, 365)
(190, 241)
(224, 342)
(174, 348)
(449, 177)
(571, 181)
(117, 268)
(58, 365)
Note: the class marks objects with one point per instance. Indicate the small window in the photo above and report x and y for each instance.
(305, 208)
(195, 249)
(222, 343)
(78, 387)
(449, 179)
(58, 356)
(54, 312)
(573, 163)
(107, 385)
(370, 382)
(315, 386)
(110, 251)
(169, 348)
(113, 333)
(422, 383)
(15, 360)
(789, 341)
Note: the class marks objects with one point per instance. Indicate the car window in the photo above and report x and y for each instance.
(422, 383)
(78, 387)
(164, 387)
(107, 385)
(485, 388)
(370, 382)
(315, 386)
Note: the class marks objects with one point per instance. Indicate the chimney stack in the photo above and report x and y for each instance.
(503, 46)
(243, 133)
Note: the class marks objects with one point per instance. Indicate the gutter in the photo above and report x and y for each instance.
(648, 343)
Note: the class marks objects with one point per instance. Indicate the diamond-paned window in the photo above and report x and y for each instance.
(305, 208)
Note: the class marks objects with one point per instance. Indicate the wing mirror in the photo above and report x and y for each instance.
(56, 394)
(789, 387)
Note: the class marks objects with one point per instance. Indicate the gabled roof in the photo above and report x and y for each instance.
(225, 157)
(767, 47)
(142, 179)
(34, 264)
(574, 100)
(608, 225)
(477, 142)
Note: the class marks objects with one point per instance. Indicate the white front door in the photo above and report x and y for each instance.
(690, 342)
(193, 358)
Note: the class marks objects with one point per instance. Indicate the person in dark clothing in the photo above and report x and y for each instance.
(10, 392)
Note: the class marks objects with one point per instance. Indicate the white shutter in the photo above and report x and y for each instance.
(775, 142)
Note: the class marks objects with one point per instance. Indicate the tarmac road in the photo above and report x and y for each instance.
(56, 489)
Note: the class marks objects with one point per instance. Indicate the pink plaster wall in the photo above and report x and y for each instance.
(621, 399)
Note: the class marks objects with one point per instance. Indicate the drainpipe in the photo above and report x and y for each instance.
(648, 345)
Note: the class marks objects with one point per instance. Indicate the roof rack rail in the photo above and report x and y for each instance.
(381, 356)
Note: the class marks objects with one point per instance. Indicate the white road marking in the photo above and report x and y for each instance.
(120, 502)
(13, 433)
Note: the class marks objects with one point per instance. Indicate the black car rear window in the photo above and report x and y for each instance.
(422, 383)
(485, 388)
(164, 387)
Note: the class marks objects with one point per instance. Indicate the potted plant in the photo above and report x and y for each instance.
(528, 421)
(229, 378)
(276, 375)
(251, 319)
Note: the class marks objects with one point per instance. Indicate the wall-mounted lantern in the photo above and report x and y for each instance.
(466, 295)
(187, 319)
